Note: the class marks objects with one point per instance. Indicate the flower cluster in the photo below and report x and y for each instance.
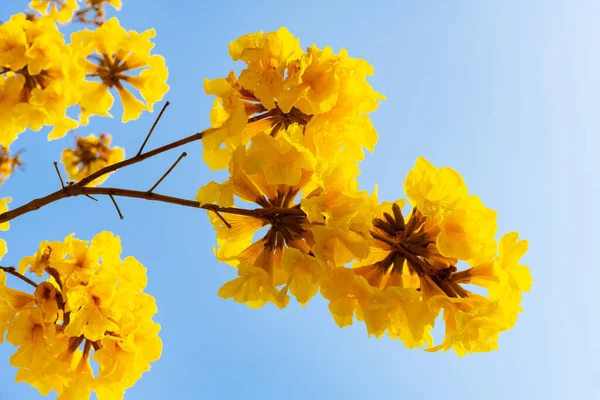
(291, 130)
(42, 76)
(8, 163)
(92, 301)
(59, 10)
(326, 94)
(64, 11)
(91, 154)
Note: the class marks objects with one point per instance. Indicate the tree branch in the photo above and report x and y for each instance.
(75, 189)
(168, 172)
(13, 271)
(62, 183)
(152, 128)
(116, 206)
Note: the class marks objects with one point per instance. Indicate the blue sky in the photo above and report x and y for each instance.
(507, 93)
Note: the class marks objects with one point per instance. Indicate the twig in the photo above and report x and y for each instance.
(227, 224)
(116, 205)
(93, 198)
(141, 157)
(152, 128)
(14, 272)
(168, 172)
(62, 183)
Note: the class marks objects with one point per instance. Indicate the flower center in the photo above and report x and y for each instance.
(411, 244)
(109, 70)
(88, 152)
(39, 81)
(286, 229)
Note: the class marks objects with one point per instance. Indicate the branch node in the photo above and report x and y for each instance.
(62, 183)
(168, 172)
(116, 205)
(152, 128)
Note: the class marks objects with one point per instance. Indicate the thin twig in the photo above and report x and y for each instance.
(152, 128)
(142, 157)
(227, 224)
(14, 272)
(168, 172)
(116, 206)
(62, 183)
(93, 198)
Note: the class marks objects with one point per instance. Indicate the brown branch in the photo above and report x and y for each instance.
(14, 272)
(62, 183)
(76, 189)
(116, 205)
(139, 158)
(152, 128)
(168, 172)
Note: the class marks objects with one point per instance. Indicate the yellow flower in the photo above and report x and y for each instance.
(467, 227)
(467, 233)
(409, 273)
(36, 339)
(267, 56)
(228, 117)
(341, 214)
(472, 324)
(254, 287)
(59, 10)
(513, 278)
(327, 95)
(92, 299)
(305, 273)
(271, 173)
(37, 78)
(122, 361)
(93, 11)
(110, 54)
(91, 154)
(8, 163)
(4, 208)
(434, 191)
(11, 301)
(48, 253)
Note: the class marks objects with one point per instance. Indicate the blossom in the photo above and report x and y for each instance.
(37, 78)
(272, 173)
(93, 11)
(467, 226)
(4, 208)
(326, 94)
(8, 163)
(59, 10)
(412, 272)
(434, 191)
(92, 301)
(114, 56)
(91, 154)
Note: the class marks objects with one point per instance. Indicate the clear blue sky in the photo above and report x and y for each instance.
(507, 93)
